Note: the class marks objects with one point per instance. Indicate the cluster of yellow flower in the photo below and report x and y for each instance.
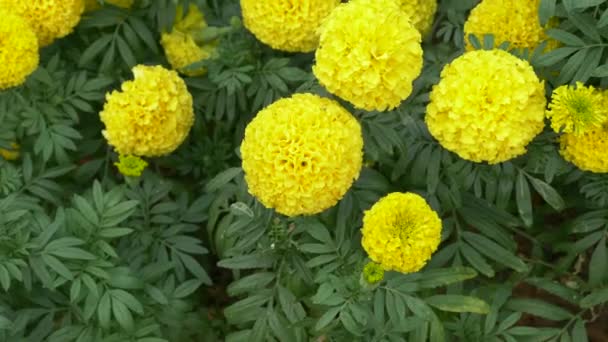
(180, 45)
(300, 155)
(28, 26)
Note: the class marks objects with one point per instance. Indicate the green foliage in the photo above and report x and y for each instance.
(185, 253)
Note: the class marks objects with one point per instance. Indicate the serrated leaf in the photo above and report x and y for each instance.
(596, 297)
(445, 276)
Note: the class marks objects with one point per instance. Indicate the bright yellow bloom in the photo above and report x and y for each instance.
(180, 47)
(421, 13)
(514, 21)
(588, 150)
(151, 116)
(50, 19)
(12, 154)
(287, 25)
(18, 51)
(91, 5)
(369, 54)
(373, 273)
(577, 109)
(131, 166)
(487, 106)
(401, 232)
(301, 154)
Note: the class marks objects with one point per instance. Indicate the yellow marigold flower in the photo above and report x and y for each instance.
(92, 5)
(514, 21)
(12, 154)
(373, 273)
(401, 232)
(369, 54)
(577, 109)
(588, 150)
(50, 19)
(19, 51)
(487, 106)
(151, 116)
(301, 154)
(288, 25)
(131, 166)
(180, 47)
(421, 13)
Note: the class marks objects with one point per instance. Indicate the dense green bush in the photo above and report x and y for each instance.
(185, 253)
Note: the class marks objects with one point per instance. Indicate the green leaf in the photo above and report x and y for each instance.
(548, 193)
(494, 251)
(222, 179)
(523, 199)
(598, 267)
(327, 317)
(445, 276)
(555, 56)
(104, 310)
(458, 303)
(122, 315)
(94, 50)
(565, 37)
(248, 261)
(579, 332)
(128, 299)
(251, 282)
(73, 253)
(596, 297)
(539, 308)
(125, 52)
(476, 260)
(546, 10)
(187, 288)
(586, 24)
(57, 266)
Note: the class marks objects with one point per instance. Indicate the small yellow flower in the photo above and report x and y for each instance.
(576, 109)
(373, 273)
(180, 47)
(50, 19)
(11, 154)
(421, 13)
(151, 115)
(401, 232)
(18, 52)
(513, 21)
(131, 166)
(287, 25)
(369, 54)
(487, 106)
(588, 150)
(301, 154)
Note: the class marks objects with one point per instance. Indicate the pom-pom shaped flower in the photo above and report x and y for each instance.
(513, 21)
(421, 13)
(11, 154)
(131, 166)
(91, 5)
(588, 150)
(301, 154)
(369, 54)
(151, 115)
(180, 47)
(50, 19)
(19, 51)
(487, 106)
(287, 25)
(401, 232)
(576, 109)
